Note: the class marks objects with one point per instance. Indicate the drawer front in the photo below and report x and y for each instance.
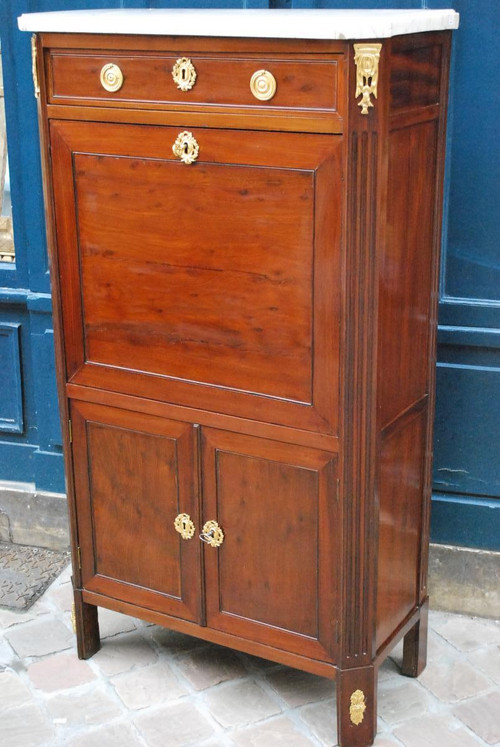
(220, 81)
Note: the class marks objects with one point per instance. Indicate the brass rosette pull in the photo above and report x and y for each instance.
(186, 148)
(184, 74)
(263, 85)
(184, 526)
(212, 534)
(111, 77)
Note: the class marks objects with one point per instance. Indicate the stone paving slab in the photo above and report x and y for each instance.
(150, 687)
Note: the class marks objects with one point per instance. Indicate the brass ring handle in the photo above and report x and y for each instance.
(184, 526)
(111, 77)
(186, 148)
(263, 85)
(184, 74)
(212, 534)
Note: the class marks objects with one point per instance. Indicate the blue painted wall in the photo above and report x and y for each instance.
(466, 502)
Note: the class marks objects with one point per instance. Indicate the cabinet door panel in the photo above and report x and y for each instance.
(274, 578)
(215, 284)
(134, 474)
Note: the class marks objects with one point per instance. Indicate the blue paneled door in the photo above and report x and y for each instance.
(466, 506)
(467, 442)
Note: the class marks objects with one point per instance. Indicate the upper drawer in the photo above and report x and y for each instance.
(301, 83)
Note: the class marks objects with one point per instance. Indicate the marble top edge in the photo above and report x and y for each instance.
(258, 23)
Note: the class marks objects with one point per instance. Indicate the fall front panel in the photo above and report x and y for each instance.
(214, 284)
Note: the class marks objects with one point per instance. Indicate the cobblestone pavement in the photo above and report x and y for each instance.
(149, 687)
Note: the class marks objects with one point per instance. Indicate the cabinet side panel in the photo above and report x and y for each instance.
(408, 278)
(400, 494)
(415, 72)
(406, 270)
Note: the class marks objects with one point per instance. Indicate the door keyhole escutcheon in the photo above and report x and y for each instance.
(212, 534)
(184, 526)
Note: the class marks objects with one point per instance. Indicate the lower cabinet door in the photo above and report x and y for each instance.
(274, 579)
(134, 474)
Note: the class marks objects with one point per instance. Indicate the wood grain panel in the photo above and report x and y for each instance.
(415, 78)
(257, 590)
(304, 84)
(208, 44)
(401, 482)
(274, 577)
(281, 656)
(407, 270)
(134, 473)
(204, 296)
(186, 278)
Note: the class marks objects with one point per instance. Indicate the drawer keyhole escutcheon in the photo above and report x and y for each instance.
(184, 74)
(263, 85)
(111, 77)
(212, 534)
(186, 148)
(184, 526)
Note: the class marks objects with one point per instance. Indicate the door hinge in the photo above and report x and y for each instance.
(70, 431)
(34, 67)
(79, 558)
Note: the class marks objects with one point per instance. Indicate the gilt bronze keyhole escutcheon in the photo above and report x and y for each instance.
(184, 526)
(212, 534)
(186, 148)
(184, 74)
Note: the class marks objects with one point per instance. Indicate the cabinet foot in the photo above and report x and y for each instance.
(415, 645)
(87, 627)
(356, 706)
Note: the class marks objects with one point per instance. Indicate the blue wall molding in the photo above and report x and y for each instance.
(41, 302)
(482, 337)
(453, 527)
(11, 399)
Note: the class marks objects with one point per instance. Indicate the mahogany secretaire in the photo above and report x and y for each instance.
(244, 212)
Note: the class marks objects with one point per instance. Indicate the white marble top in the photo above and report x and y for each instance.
(284, 24)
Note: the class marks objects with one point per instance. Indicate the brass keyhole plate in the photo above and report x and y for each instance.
(184, 74)
(212, 534)
(184, 526)
(186, 147)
